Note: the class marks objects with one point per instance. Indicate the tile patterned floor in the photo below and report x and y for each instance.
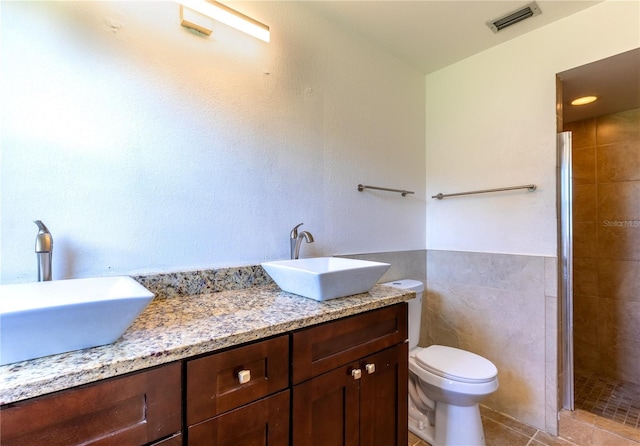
(501, 430)
(607, 414)
(586, 429)
(578, 428)
(609, 398)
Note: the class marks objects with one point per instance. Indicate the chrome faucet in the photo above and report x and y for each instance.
(295, 240)
(44, 247)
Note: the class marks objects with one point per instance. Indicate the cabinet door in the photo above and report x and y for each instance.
(130, 410)
(383, 398)
(326, 410)
(262, 423)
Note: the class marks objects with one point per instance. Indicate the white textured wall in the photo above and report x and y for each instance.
(146, 147)
(491, 122)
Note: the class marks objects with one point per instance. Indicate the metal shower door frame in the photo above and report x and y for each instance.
(565, 265)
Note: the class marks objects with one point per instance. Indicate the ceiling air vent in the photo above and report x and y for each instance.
(514, 17)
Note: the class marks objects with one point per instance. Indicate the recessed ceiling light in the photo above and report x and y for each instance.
(584, 100)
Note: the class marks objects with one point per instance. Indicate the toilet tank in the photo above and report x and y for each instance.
(415, 306)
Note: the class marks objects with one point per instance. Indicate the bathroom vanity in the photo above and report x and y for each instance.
(252, 366)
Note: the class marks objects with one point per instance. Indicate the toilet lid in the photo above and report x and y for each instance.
(456, 364)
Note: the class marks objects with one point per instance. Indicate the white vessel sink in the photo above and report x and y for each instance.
(43, 318)
(324, 278)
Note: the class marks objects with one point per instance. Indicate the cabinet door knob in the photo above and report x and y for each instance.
(370, 368)
(244, 376)
(356, 373)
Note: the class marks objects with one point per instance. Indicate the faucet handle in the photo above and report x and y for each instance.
(294, 231)
(41, 226)
(44, 241)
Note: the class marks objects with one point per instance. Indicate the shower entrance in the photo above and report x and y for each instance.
(599, 252)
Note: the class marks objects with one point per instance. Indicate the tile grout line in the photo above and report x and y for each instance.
(515, 430)
(530, 440)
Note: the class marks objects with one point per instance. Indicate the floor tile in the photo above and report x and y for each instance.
(414, 440)
(542, 438)
(507, 421)
(497, 434)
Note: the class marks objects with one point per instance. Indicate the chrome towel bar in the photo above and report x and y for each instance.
(530, 187)
(404, 193)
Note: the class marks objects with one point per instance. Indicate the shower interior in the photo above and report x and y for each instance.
(606, 262)
(609, 398)
(603, 329)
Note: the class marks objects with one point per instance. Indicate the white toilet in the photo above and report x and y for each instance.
(445, 385)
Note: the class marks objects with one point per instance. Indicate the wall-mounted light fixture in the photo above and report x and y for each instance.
(226, 15)
(194, 20)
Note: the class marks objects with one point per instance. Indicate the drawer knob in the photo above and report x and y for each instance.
(356, 373)
(244, 376)
(370, 368)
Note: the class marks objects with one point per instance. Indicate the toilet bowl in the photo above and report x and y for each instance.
(445, 385)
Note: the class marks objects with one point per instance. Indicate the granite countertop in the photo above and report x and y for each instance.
(175, 328)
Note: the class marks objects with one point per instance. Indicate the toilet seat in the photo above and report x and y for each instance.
(456, 365)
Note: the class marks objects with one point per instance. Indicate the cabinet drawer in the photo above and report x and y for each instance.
(324, 347)
(264, 422)
(132, 410)
(213, 384)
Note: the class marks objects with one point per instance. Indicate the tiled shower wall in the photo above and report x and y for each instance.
(503, 307)
(606, 243)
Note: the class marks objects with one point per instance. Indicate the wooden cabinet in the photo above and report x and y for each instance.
(132, 410)
(339, 383)
(350, 381)
(231, 396)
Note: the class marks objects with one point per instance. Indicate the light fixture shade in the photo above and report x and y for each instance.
(194, 20)
(230, 17)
